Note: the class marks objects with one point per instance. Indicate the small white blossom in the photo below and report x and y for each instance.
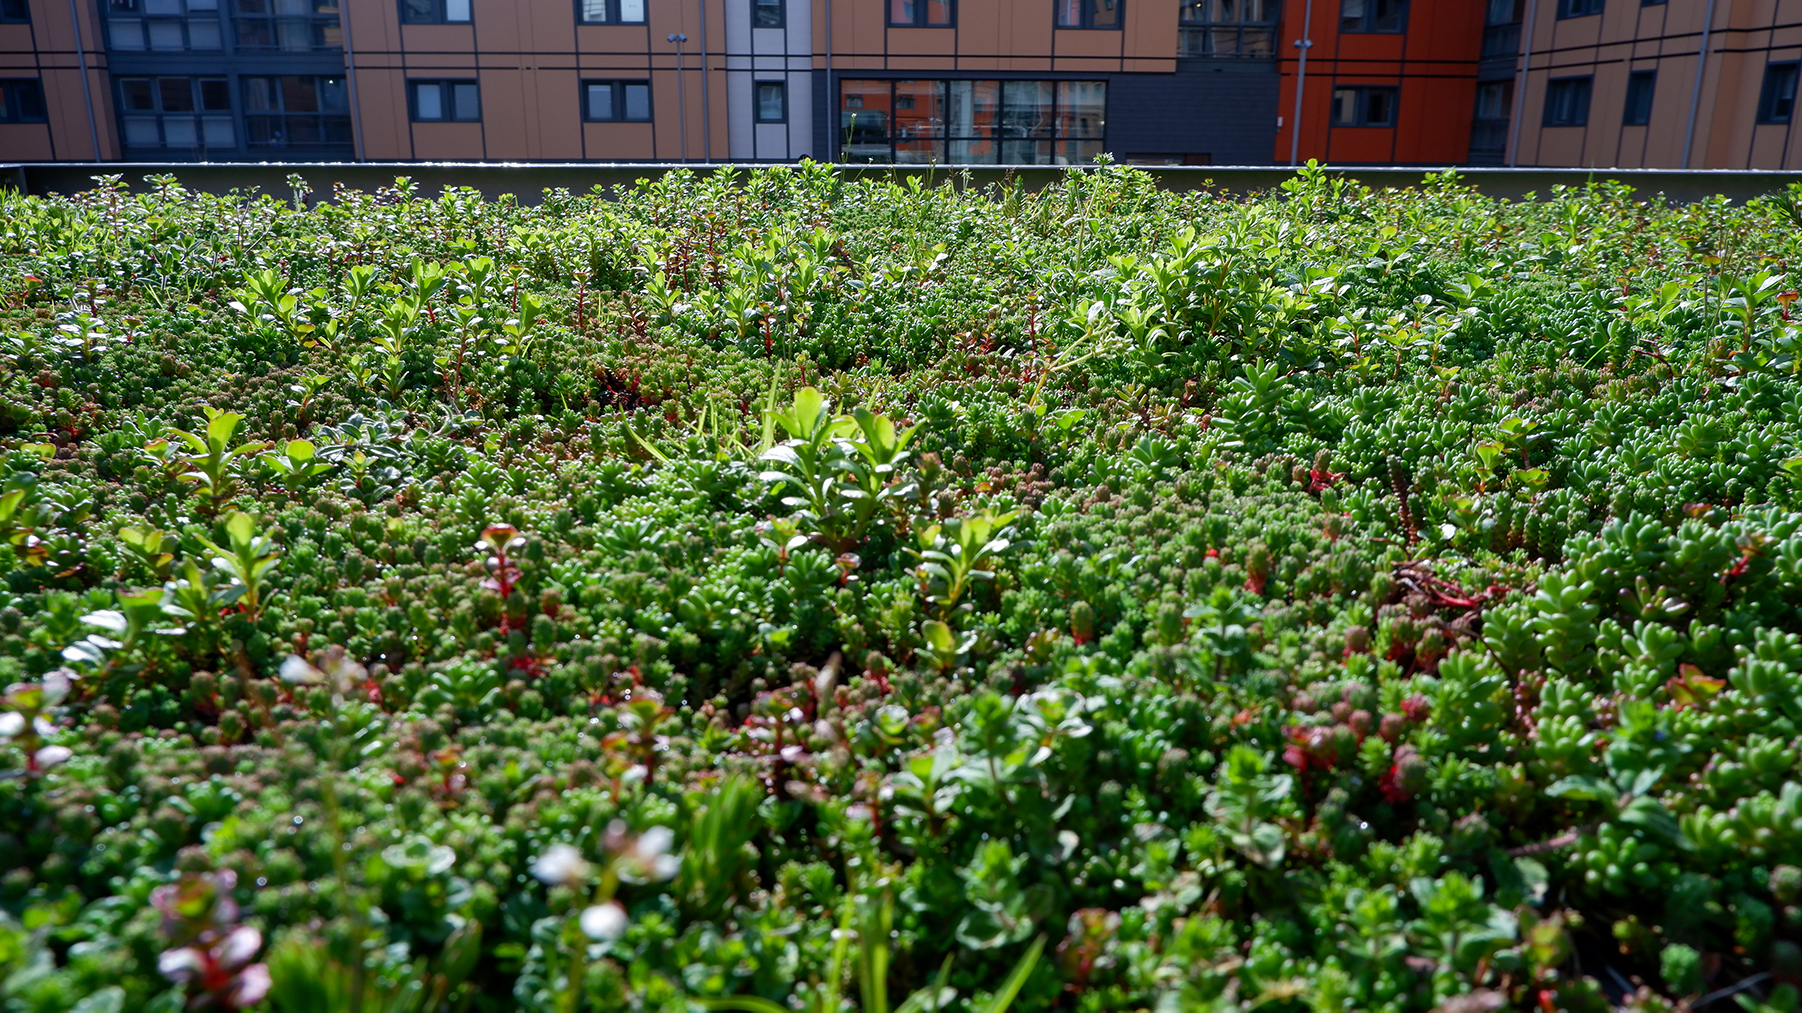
(604, 922)
(561, 865)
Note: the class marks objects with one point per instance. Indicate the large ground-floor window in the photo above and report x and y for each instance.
(963, 122)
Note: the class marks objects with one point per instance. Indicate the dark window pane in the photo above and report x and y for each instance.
(122, 6)
(215, 94)
(176, 93)
(428, 103)
(1379, 107)
(1104, 13)
(1639, 98)
(256, 34)
(136, 94)
(468, 102)
(14, 10)
(767, 13)
(638, 102)
(1069, 13)
(769, 102)
(419, 11)
(332, 95)
(300, 94)
(1386, 15)
(592, 12)
(1351, 16)
(1777, 99)
(599, 100)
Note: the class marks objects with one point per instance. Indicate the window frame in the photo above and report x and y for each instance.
(1568, 9)
(1085, 20)
(1000, 133)
(444, 98)
(440, 10)
(757, 100)
(1630, 116)
(287, 117)
(316, 25)
(198, 112)
(781, 8)
(1369, 18)
(1581, 117)
(1767, 97)
(1198, 35)
(1361, 120)
(921, 7)
(23, 17)
(120, 13)
(11, 107)
(613, 15)
(618, 98)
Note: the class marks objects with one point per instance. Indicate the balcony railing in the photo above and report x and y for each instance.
(1501, 41)
(1488, 141)
(1226, 41)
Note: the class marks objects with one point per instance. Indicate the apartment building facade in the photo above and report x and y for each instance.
(1699, 83)
(749, 80)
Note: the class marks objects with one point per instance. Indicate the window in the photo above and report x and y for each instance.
(1567, 102)
(1088, 13)
(136, 25)
(294, 26)
(772, 102)
(1578, 8)
(1493, 98)
(17, 11)
(616, 101)
(22, 101)
(1650, 3)
(1363, 107)
(434, 12)
(1226, 28)
(1489, 127)
(189, 113)
(609, 12)
(1638, 112)
(767, 14)
(1502, 12)
(1777, 100)
(1373, 16)
(920, 13)
(435, 101)
(296, 112)
(960, 122)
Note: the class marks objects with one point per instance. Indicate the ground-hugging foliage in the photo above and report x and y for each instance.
(778, 592)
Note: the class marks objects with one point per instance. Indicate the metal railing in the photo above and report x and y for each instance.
(529, 181)
(1226, 41)
(1501, 41)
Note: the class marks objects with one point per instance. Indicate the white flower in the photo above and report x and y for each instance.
(561, 865)
(648, 859)
(604, 922)
(50, 756)
(11, 724)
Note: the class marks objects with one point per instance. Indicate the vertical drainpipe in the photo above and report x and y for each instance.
(1695, 96)
(350, 78)
(1520, 85)
(1301, 78)
(831, 120)
(87, 91)
(706, 109)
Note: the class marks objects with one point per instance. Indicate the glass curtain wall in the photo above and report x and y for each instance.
(972, 122)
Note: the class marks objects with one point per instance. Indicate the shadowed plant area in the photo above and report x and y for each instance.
(773, 592)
